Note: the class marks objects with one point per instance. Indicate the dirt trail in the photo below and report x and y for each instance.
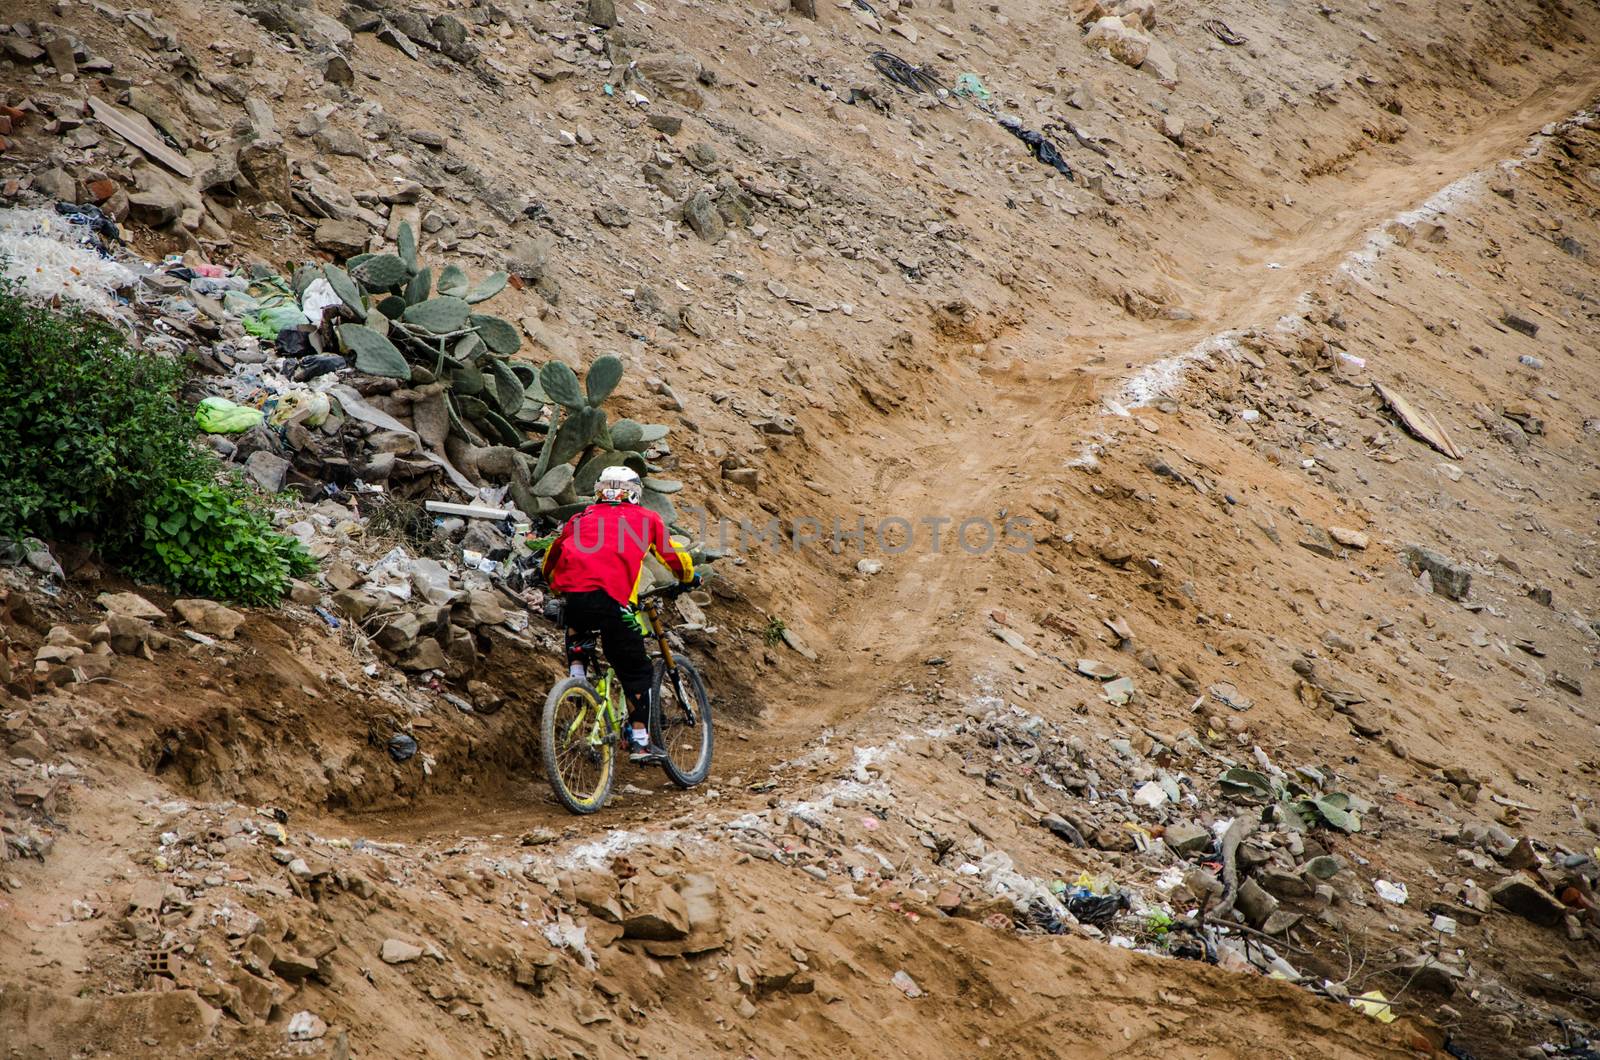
(969, 470)
(907, 319)
(993, 426)
(1236, 284)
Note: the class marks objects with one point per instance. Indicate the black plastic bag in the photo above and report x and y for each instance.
(1039, 145)
(318, 364)
(295, 342)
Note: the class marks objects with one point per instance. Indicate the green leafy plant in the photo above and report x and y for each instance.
(1296, 807)
(774, 631)
(93, 440)
(420, 323)
(88, 427)
(212, 539)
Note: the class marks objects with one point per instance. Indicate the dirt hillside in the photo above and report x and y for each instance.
(1101, 538)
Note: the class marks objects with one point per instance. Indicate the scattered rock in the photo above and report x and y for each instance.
(612, 215)
(397, 951)
(343, 239)
(1519, 323)
(428, 655)
(1451, 580)
(1522, 895)
(1123, 38)
(1186, 837)
(268, 470)
(660, 916)
(701, 216)
(209, 617)
(264, 164)
(1431, 975)
(677, 77)
(127, 635)
(130, 604)
(1255, 903)
(1349, 538)
(154, 207)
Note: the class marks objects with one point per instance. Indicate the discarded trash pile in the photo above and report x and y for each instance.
(1179, 850)
(398, 426)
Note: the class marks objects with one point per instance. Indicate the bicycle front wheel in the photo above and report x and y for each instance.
(580, 746)
(680, 720)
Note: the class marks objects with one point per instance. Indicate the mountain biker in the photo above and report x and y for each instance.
(596, 563)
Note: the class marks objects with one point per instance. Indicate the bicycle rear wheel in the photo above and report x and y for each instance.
(680, 721)
(579, 745)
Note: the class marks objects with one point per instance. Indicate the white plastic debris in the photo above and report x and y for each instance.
(391, 574)
(566, 933)
(905, 984)
(44, 254)
(1150, 794)
(319, 296)
(1393, 893)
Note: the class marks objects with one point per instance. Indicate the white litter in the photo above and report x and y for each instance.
(319, 296)
(42, 251)
(1151, 795)
(566, 933)
(905, 984)
(1394, 893)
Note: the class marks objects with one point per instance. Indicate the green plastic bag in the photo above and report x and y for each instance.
(969, 85)
(217, 415)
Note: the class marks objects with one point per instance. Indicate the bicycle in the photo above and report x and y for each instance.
(583, 726)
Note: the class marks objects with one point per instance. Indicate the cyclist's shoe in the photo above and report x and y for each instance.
(649, 755)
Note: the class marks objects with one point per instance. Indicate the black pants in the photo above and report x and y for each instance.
(591, 613)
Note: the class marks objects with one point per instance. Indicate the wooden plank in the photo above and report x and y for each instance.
(466, 511)
(1418, 421)
(137, 132)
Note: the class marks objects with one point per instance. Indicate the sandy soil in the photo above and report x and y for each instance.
(1152, 375)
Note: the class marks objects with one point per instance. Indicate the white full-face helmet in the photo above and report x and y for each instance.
(617, 484)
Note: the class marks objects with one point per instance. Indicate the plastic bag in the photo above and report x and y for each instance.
(295, 342)
(290, 405)
(217, 415)
(319, 296)
(969, 85)
(319, 364)
(267, 308)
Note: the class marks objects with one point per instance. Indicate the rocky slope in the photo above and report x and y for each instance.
(1189, 367)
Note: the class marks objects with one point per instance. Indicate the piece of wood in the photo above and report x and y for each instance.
(1418, 422)
(466, 511)
(138, 132)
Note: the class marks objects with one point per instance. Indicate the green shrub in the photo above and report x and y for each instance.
(93, 439)
(212, 539)
(88, 427)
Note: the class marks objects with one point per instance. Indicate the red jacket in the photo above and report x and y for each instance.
(604, 546)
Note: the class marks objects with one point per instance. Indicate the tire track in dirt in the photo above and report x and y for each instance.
(997, 447)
